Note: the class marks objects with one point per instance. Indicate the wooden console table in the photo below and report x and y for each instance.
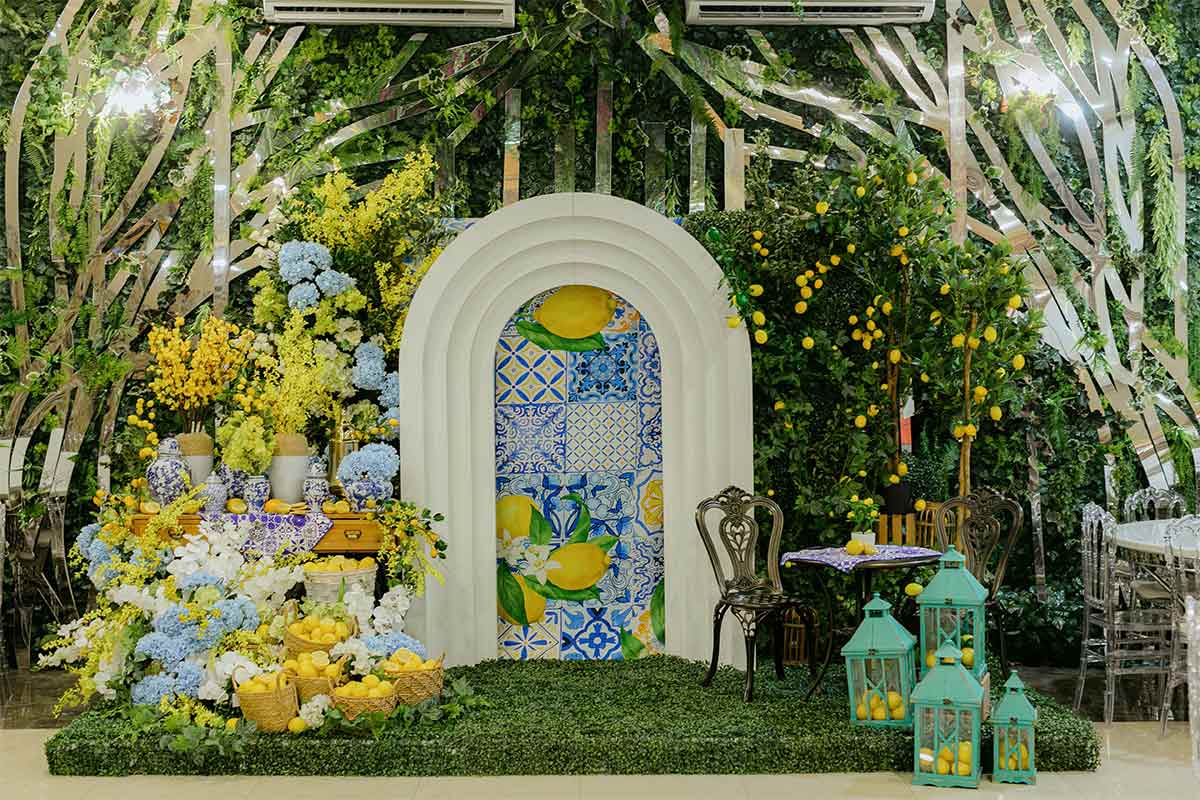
(351, 533)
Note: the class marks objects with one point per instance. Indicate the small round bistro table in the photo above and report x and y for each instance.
(863, 568)
(1147, 537)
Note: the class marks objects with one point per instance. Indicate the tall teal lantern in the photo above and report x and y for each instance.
(880, 669)
(952, 612)
(1012, 722)
(947, 715)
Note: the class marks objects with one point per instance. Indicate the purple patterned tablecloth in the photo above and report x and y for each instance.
(293, 533)
(839, 559)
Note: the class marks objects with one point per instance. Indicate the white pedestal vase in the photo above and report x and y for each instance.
(289, 467)
(197, 452)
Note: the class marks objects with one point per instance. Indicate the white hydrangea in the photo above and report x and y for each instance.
(266, 584)
(393, 608)
(150, 603)
(313, 712)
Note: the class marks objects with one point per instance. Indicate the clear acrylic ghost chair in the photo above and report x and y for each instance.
(1125, 641)
(1146, 576)
(1192, 631)
(1183, 574)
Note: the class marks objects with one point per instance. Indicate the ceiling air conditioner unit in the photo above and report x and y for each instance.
(424, 13)
(815, 12)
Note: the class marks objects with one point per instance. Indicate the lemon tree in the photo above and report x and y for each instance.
(981, 329)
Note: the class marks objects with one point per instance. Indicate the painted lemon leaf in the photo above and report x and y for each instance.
(512, 598)
(631, 647)
(539, 529)
(583, 525)
(537, 333)
(552, 592)
(605, 543)
(658, 611)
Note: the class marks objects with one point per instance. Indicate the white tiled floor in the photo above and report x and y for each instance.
(1137, 764)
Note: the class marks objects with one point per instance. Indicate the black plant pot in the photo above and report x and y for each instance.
(896, 498)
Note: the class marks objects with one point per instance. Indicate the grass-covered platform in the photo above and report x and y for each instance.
(642, 717)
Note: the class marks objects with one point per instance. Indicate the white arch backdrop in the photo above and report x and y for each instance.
(447, 360)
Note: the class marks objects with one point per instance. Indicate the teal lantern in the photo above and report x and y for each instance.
(952, 612)
(1012, 723)
(880, 669)
(947, 714)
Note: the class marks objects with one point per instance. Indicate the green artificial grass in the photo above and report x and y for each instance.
(575, 717)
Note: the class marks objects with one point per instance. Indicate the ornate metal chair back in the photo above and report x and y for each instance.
(985, 522)
(738, 534)
(1095, 545)
(1151, 503)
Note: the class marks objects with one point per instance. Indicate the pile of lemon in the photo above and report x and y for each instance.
(874, 708)
(371, 686)
(947, 763)
(320, 630)
(313, 665)
(261, 684)
(335, 507)
(968, 658)
(405, 660)
(339, 564)
(854, 547)
(1010, 756)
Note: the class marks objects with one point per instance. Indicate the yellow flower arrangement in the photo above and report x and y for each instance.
(188, 379)
(292, 390)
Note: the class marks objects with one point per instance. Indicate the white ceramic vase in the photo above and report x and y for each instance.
(197, 450)
(289, 468)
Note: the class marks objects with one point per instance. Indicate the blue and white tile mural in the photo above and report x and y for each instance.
(579, 516)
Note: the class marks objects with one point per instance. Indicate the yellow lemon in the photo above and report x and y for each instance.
(995, 413)
(371, 681)
(1018, 361)
(964, 768)
(911, 179)
(913, 589)
(854, 547)
(376, 692)
(149, 507)
(297, 725)
(307, 670)
(385, 687)
(342, 506)
(535, 607)
(1014, 302)
(297, 629)
(760, 336)
(341, 630)
(576, 311)
(899, 712)
(968, 657)
(231, 724)
(1012, 763)
(733, 320)
(807, 343)
(513, 514)
(943, 767)
(894, 356)
(879, 712)
(580, 566)
(989, 334)
(925, 759)
(291, 665)
(946, 754)
(869, 549)
(930, 659)
(332, 671)
(366, 562)
(236, 506)
(895, 700)
(860, 421)
(860, 711)
(800, 307)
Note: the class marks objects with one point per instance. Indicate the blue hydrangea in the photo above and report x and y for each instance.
(197, 579)
(369, 368)
(303, 295)
(387, 643)
(169, 622)
(187, 679)
(98, 552)
(86, 535)
(389, 390)
(167, 650)
(237, 612)
(152, 688)
(300, 261)
(332, 283)
(379, 462)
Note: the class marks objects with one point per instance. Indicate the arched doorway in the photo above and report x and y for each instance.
(448, 432)
(579, 480)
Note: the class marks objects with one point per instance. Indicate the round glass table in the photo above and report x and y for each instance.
(1147, 537)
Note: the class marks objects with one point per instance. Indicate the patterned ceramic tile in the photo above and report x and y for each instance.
(531, 438)
(649, 434)
(540, 639)
(602, 436)
(610, 499)
(591, 631)
(605, 376)
(525, 373)
(625, 319)
(649, 374)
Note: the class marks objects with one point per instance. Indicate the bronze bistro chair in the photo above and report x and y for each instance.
(753, 600)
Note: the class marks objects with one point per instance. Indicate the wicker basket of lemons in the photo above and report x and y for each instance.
(314, 674)
(311, 633)
(268, 700)
(370, 694)
(415, 679)
(326, 578)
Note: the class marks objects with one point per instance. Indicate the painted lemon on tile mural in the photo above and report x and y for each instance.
(513, 513)
(580, 565)
(576, 311)
(535, 605)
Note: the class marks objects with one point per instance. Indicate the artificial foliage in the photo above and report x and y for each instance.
(648, 716)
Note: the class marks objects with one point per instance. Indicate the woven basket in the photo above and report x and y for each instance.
(295, 644)
(414, 687)
(270, 711)
(326, 587)
(308, 688)
(353, 706)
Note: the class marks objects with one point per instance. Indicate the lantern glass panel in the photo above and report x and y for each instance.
(879, 689)
(1016, 748)
(953, 626)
